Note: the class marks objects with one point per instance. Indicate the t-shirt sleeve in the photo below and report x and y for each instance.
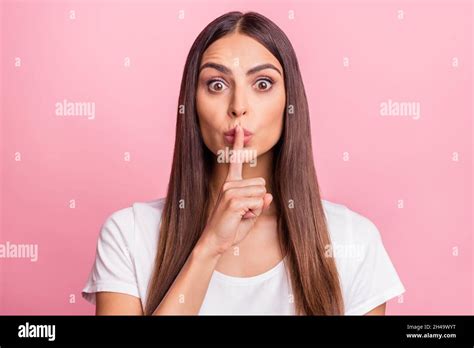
(375, 279)
(113, 268)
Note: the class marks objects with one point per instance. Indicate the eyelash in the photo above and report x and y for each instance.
(262, 78)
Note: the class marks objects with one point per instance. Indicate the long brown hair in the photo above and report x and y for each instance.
(302, 225)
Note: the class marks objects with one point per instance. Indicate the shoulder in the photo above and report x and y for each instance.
(125, 250)
(148, 212)
(354, 239)
(346, 225)
(139, 221)
(367, 274)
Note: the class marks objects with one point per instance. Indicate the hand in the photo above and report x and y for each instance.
(239, 204)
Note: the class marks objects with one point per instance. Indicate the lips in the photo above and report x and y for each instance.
(229, 136)
(232, 132)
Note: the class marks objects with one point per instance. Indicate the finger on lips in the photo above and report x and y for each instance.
(235, 166)
(248, 186)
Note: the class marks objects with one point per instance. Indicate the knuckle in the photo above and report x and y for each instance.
(227, 185)
(234, 203)
(228, 194)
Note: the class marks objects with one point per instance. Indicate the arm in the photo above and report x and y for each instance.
(184, 297)
(113, 303)
(187, 293)
(379, 310)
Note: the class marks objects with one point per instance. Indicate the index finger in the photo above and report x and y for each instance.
(235, 166)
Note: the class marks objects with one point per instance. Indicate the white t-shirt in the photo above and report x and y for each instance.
(127, 245)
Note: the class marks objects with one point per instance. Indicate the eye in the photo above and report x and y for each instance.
(216, 85)
(264, 84)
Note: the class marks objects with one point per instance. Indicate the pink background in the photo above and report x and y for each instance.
(390, 158)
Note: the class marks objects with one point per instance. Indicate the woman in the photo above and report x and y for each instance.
(241, 234)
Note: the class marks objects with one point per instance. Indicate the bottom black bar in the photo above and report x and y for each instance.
(194, 330)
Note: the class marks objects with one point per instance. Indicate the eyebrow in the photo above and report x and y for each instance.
(225, 70)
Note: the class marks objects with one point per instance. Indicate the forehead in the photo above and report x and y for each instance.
(239, 48)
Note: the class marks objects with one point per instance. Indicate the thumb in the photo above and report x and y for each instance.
(267, 200)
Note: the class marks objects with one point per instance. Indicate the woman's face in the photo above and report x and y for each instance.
(240, 82)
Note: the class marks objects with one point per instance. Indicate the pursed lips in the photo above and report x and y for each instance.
(229, 136)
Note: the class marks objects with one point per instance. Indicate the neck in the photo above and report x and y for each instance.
(262, 168)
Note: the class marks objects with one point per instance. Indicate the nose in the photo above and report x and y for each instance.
(237, 112)
(238, 107)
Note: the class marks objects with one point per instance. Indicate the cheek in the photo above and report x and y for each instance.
(209, 115)
(271, 113)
